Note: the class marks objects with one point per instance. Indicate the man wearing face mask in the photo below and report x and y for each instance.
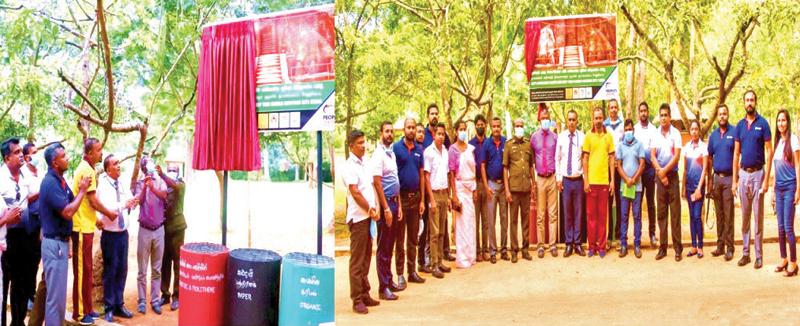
(174, 230)
(630, 165)
(151, 191)
(518, 178)
(31, 172)
(436, 183)
(481, 209)
(615, 127)
(430, 132)
(720, 187)
(543, 145)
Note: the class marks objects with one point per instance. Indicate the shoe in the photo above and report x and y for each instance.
(141, 308)
(579, 250)
(568, 252)
(370, 302)
(449, 257)
(790, 273)
(699, 254)
(540, 252)
(437, 273)
(94, 315)
(165, 300)
(661, 254)
(86, 320)
(514, 258)
(174, 305)
(678, 256)
(623, 251)
(717, 252)
(779, 269)
(123, 312)
(493, 259)
(758, 264)
(413, 277)
(387, 294)
(591, 253)
(602, 253)
(729, 256)
(401, 283)
(479, 258)
(425, 269)
(527, 256)
(486, 256)
(653, 242)
(444, 268)
(744, 261)
(395, 287)
(109, 317)
(554, 251)
(360, 308)
(637, 252)
(504, 256)
(157, 309)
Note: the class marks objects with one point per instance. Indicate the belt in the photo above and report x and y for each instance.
(409, 194)
(751, 170)
(57, 238)
(723, 174)
(574, 178)
(545, 175)
(442, 191)
(150, 228)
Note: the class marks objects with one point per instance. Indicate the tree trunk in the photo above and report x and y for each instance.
(629, 104)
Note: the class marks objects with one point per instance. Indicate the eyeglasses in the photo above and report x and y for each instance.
(664, 115)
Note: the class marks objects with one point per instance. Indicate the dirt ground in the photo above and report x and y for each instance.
(583, 291)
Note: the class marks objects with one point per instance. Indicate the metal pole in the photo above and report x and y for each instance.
(224, 208)
(319, 192)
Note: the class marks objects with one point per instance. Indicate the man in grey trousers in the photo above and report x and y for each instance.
(152, 193)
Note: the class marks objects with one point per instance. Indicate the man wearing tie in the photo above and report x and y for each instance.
(569, 180)
(114, 239)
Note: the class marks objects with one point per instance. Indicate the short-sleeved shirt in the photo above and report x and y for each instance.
(751, 137)
(429, 138)
(785, 174)
(409, 161)
(54, 196)
(85, 218)
(599, 146)
(693, 154)
(356, 173)
(543, 144)
(436, 163)
(518, 158)
(151, 208)
(644, 134)
(629, 154)
(14, 193)
(384, 164)
(666, 146)
(113, 196)
(480, 155)
(720, 149)
(174, 219)
(493, 155)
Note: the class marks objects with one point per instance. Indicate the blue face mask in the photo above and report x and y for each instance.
(546, 124)
(462, 135)
(629, 136)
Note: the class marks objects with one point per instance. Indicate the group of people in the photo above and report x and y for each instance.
(419, 179)
(44, 217)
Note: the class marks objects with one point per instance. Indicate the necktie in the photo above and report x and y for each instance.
(569, 156)
(120, 218)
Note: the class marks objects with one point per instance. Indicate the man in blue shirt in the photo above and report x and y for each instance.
(481, 210)
(57, 205)
(630, 166)
(492, 169)
(720, 153)
(753, 143)
(408, 155)
(430, 131)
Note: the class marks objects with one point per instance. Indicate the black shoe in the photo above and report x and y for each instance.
(387, 294)
(479, 257)
(514, 258)
(109, 317)
(444, 268)
(370, 302)
(729, 256)
(661, 254)
(493, 259)
(554, 251)
(568, 252)
(401, 283)
(653, 242)
(744, 261)
(360, 308)
(637, 252)
(717, 252)
(504, 256)
(425, 269)
(623, 252)
(540, 253)
(396, 287)
(579, 250)
(527, 256)
(413, 277)
(449, 257)
(437, 273)
(758, 263)
(165, 301)
(123, 313)
(678, 256)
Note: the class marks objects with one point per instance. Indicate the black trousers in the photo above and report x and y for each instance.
(20, 265)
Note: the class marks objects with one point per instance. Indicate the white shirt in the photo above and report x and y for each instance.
(436, 164)
(383, 164)
(562, 153)
(8, 188)
(3, 245)
(644, 135)
(666, 145)
(355, 172)
(616, 133)
(107, 194)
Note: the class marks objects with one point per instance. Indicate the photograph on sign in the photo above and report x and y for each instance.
(571, 58)
(295, 70)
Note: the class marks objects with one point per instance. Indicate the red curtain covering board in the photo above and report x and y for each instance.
(226, 131)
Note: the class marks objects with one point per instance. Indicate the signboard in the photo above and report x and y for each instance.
(572, 58)
(295, 70)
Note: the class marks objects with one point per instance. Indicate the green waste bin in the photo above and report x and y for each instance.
(307, 290)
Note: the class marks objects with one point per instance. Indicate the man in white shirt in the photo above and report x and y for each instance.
(361, 207)
(436, 182)
(614, 125)
(114, 239)
(643, 132)
(665, 152)
(569, 180)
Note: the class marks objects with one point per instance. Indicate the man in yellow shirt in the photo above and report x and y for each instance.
(83, 227)
(598, 162)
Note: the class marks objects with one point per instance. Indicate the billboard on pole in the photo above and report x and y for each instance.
(572, 58)
(295, 70)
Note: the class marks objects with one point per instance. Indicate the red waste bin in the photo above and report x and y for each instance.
(203, 268)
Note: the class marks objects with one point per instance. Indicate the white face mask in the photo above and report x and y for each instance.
(519, 132)
(462, 135)
(546, 124)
